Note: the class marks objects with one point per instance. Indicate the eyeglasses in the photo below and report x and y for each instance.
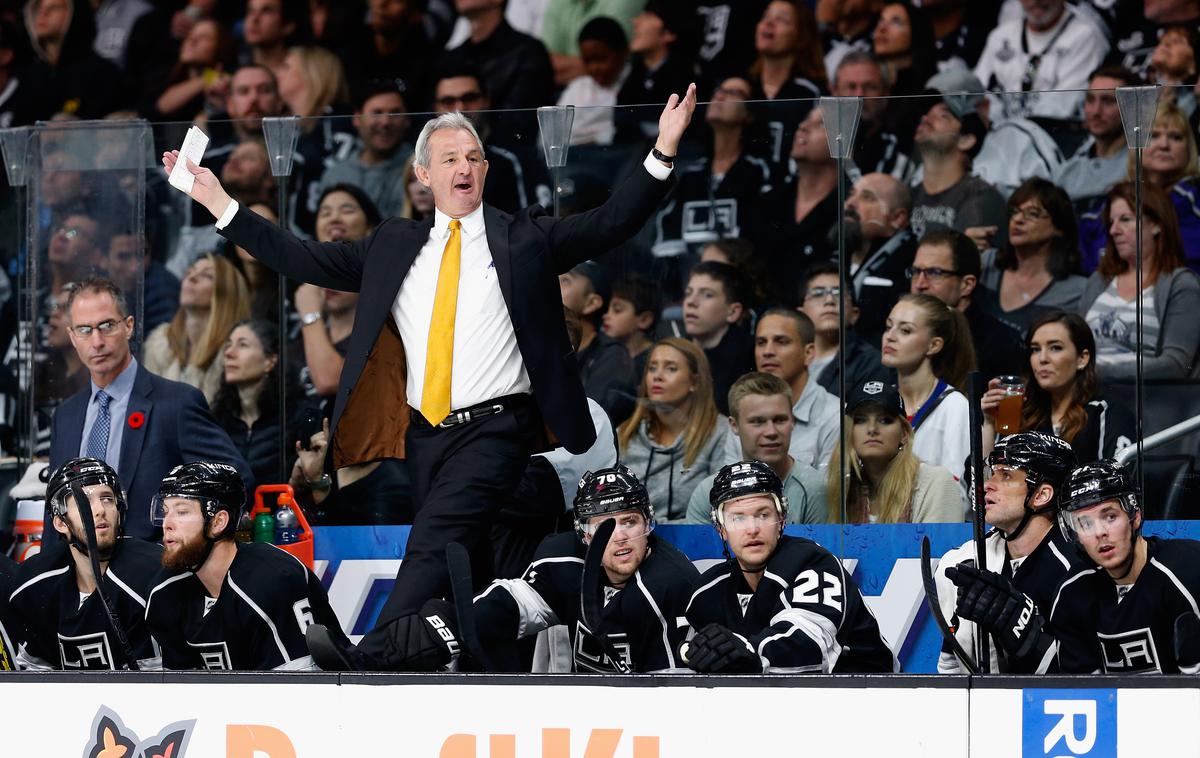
(467, 98)
(70, 232)
(934, 273)
(106, 329)
(743, 522)
(820, 293)
(1029, 214)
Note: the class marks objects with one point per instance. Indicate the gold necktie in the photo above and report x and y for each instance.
(439, 355)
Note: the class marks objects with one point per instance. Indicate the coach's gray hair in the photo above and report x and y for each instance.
(445, 121)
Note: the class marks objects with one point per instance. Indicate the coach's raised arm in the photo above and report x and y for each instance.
(459, 360)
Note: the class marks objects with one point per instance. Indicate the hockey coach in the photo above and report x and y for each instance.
(459, 360)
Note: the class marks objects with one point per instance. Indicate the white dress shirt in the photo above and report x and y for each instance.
(487, 361)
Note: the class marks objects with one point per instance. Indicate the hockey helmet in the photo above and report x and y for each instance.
(1092, 484)
(81, 472)
(745, 479)
(607, 491)
(217, 487)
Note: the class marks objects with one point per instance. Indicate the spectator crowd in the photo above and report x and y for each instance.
(989, 223)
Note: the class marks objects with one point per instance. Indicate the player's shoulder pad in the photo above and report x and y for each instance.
(51, 557)
(263, 563)
(561, 545)
(671, 558)
(793, 554)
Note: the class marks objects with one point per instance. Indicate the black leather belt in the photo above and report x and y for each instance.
(480, 411)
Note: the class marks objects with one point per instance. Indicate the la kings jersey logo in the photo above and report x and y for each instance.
(214, 655)
(86, 652)
(1130, 652)
(590, 656)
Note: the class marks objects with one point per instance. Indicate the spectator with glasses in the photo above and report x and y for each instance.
(821, 296)
(140, 424)
(1034, 272)
(947, 266)
(1054, 47)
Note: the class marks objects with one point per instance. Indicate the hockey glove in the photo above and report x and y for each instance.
(716, 650)
(425, 641)
(994, 603)
(1187, 643)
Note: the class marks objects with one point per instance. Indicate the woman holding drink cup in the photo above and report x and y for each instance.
(1059, 395)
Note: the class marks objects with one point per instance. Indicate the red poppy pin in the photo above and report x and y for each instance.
(136, 419)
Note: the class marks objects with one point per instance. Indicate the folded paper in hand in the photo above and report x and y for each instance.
(193, 148)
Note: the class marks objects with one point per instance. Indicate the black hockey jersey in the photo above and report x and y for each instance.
(1038, 575)
(257, 623)
(1098, 630)
(60, 630)
(8, 575)
(807, 614)
(645, 623)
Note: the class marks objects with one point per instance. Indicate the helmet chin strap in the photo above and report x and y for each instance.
(209, 544)
(1030, 512)
(1133, 543)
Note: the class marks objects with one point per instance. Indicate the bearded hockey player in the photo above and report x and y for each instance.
(780, 604)
(1133, 610)
(62, 621)
(220, 604)
(1027, 558)
(646, 586)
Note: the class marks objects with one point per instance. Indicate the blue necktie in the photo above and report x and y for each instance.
(97, 444)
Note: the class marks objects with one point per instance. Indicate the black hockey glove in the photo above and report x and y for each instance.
(1187, 643)
(992, 602)
(716, 650)
(425, 641)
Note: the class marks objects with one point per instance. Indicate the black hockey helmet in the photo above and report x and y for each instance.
(1044, 458)
(744, 479)
(81, 472)
(1092, 484)
(610, 490)
(217, 486)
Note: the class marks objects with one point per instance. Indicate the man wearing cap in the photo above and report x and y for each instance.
(1052, 48)
(1014, 149)
(948, 137)
(604, 363)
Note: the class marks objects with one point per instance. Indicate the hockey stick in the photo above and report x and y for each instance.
(84, 506)
(935, 608)
(979, 529)
(592, 592)
(458, 563)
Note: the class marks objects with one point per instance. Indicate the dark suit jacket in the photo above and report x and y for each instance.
(530, 249)
(178, 428)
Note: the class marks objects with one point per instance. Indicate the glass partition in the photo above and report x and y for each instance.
(760, 186)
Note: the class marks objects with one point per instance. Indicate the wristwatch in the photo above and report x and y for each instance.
(311, 317)
(322, 484)
(660, 155)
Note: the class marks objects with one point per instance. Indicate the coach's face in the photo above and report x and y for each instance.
(455, 173)
(100, 335)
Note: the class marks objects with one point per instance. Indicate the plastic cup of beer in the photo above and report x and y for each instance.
(1008, 414)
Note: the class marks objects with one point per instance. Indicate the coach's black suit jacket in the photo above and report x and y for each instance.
(530, 249)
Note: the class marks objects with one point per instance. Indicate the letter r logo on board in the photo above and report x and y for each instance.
(1069, 723)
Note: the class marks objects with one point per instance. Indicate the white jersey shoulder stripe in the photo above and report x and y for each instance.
(707, 587)
(38, 578)
(164, 583)
(1058, 554)
(1187, 595)
(661, 619)
(267, 619)
(128, 590)
(1063, 586)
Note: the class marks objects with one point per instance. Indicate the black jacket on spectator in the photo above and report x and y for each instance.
(732, 357)
(161, 297)
(788, 247)
(648, 88)
(409, 65)
(697, 212)
(512, 179)
(607, 373)
(880, 281)
(782, 114)
(882, 153)
(81, 82)
(258, 444)
(727, 38)
(999, 347)
(1110, 427)
(516, 68)
(862, 365)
